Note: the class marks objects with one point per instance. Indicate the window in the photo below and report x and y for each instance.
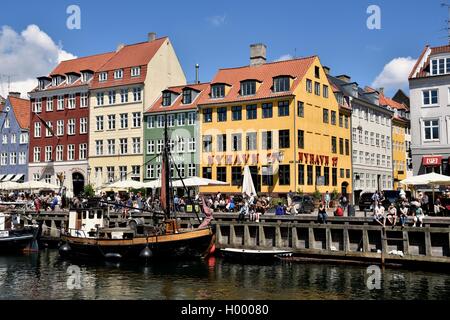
(310, 180)
(301, 109)
(378, 159)
(222, 114)
(5, 139)
(236, 113)
(301, 174)
(150, 122)
(366, 137)
(207, 115)
(123, 143)
(360, 136)
(181, 119)
(49, 106)
(13, 158)
(83, 125)
(308, 86)
(218, 91)
(22, 158)
(251, 112)
(137, 94)
(150, 172)
(236, 176)
(317, 89)
(99, 147)
(325, 91)
(236, 140)
(118, 74)
(111, 174)
(267, 110)
(136, 145)
(267, 175)
(341, 146)
(192, 170)
(13, 138)
(333, 144)
(4, 159)
(60, 128)
(71, 102)
(347, 147)
(112, 97)
(37, 129)
(71, 152)
(284, 139)
(284, 172)
(37, 105)
(124, 96)
(251, 141)
(37, 154)
(160, 146)
(100, 98)
(301, 139)
(123, 173)
(187, 96)
(207, 143)
(84, 98)
(99, 122)
(430, 97)
(281, 84)
(283, 108)
(192, 116)
(248, 88)
(23, 138)
(48, 129)
(150, 146)
(137, 118)
(83, 151)
(377, 140)
(135, 71)
(325, 115)
(334, 177)
(207, 173)
(181, 145)
(103, 76)
(266, 140)
(431, 130)
(222, 143)
(123, 120)
(354, 134)
(167, 99)
(59, 153)
(222, 174)
(346, 123)
(191, 145)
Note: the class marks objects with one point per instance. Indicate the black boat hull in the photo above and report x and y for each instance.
(17, 241)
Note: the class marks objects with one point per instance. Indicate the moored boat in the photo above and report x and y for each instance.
(15, 236)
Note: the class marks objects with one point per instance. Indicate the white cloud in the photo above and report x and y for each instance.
(25, 56)
(284, 57)
(218, 20)
(395, 74)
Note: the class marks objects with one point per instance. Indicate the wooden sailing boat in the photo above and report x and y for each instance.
(89, 234)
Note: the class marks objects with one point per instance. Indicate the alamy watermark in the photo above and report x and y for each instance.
(373, 281)
(74, 19)
(74, 279)
(374, 20)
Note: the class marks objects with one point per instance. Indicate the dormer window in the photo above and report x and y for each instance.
(167, 99)
(440, 66)
(41, 84)
(136, 71)
(218, 91)
(118, 74)
(56, 81)
(248, 88)
(84, 77)
(281, 84)
(103, 76)
(187, 96)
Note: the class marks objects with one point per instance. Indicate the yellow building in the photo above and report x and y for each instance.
(399, 125)
(282, 120)
(127, 84)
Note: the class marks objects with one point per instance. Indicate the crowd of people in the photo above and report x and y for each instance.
(50, 201)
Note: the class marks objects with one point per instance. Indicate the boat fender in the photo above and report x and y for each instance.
(146, 253)
(65, 248)
(113, 256)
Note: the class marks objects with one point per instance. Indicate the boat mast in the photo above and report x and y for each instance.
(166, 173)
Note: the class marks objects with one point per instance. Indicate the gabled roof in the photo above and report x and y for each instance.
(295, 68)
(421, 68)
(81, 64)
(22, 111)
(177, 105)
(385, 101)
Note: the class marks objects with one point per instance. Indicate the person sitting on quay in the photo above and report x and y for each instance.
(418, 215)
(327, 199)
(339, 212)
(438, 207)
(280, 210)
(403, 213)
(322, 214)
(378, 215)
(391, 215)
(244, 211)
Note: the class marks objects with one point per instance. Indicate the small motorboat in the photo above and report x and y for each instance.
(250, 255)
(16, 235)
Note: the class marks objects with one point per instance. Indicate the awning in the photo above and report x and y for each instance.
(432, 161)
(1, 176)
(8, 178)
(18, 177)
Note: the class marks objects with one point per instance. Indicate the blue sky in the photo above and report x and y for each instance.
(218, 34)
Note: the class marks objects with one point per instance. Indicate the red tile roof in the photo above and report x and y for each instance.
(80, 64)
(177, 105)
(265, 73)
(424, 70)
(22, 111)
(385, 101)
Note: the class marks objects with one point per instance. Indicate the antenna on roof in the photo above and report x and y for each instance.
(197, 78)
(445, 4)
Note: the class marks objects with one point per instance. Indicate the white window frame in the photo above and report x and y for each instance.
(430, 104)
(135, 71)
(49, 104)
(70, 152)
(59, 153)
(118, 74)
(71, 127)
(103, 76)
(431, 130)
(83, 125)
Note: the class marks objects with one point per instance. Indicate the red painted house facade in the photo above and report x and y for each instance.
(59, 126)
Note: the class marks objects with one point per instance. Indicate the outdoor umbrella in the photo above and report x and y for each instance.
(7, 186)
(37, 185)
(433, 179)
(247, 186)
(127, 184)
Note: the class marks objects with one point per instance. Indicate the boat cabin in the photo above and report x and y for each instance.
(84, 223)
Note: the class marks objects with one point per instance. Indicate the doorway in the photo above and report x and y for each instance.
(78, 183)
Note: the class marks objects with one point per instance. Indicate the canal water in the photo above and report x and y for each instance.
(46, 276)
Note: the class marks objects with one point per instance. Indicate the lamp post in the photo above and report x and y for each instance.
(89, 175)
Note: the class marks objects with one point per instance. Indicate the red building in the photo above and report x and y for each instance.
(59, 126)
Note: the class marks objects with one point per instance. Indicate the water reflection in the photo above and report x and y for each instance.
(44, 276)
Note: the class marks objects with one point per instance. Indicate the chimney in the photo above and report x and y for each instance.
(345, 78)
(326, 70)
(151, 36)
(120, 47)
(381, 90)
(258, 54)
(197, 68)
(14, 94)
